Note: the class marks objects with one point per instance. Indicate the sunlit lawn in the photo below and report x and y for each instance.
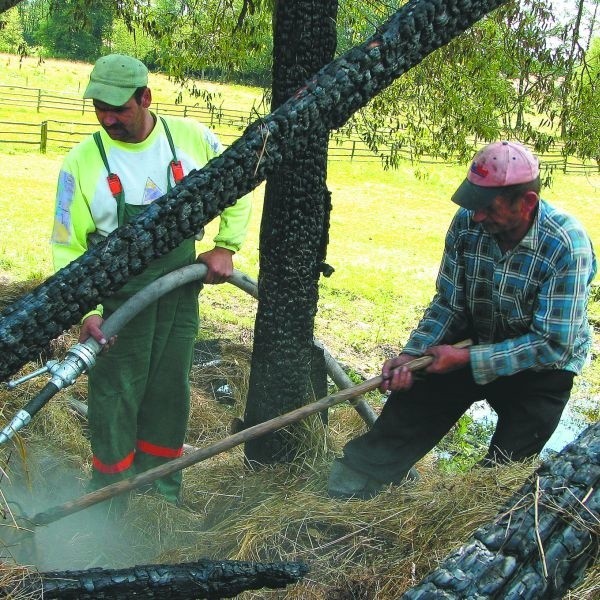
(385, 243)
(386, 237)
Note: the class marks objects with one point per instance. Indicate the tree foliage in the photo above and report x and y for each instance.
(207, 37)
(69, 29)
(582, 132)
(507, 77)
(520, 73)
(132, 41)
(32, 14)
(11, 32)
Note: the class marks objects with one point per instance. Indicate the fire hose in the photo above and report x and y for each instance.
(82, 356)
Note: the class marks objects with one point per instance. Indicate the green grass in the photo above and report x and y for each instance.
(386, 240)
(68, 77)
(386, 237)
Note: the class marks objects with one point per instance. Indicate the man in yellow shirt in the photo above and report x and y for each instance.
(138, 392)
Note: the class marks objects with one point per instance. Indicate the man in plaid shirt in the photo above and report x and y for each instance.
(515, 278)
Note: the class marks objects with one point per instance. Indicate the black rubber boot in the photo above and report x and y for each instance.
(346, 483)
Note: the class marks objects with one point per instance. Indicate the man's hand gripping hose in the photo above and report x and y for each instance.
(82, 356)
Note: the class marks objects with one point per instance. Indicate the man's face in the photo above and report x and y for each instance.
(123, 123)
(504, 218)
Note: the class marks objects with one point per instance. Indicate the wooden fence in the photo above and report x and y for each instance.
(228, 124)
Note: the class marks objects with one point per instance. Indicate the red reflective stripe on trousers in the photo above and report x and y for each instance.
(122, 465)
(155, 450)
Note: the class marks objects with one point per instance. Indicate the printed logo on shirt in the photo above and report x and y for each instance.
(151, 192)
(61, 232)
(213, 141)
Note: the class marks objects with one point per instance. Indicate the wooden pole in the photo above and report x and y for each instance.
(44, 137)
(109, 491)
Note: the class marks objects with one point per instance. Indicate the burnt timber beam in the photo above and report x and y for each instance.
(187, 581)
(326, 101)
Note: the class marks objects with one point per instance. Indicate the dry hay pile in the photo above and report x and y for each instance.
(366, 550)
(355, 549)
(12, 289)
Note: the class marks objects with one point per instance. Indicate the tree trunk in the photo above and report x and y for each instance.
(293, 239)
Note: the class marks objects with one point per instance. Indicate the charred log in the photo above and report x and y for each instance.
(541, 542)
(7, 4)
(324, 102)
(186, 581)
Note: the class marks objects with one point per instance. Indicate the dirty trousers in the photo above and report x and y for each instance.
(138, 391)
(529, 405)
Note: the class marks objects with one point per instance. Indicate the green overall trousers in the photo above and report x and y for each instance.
(139, 392)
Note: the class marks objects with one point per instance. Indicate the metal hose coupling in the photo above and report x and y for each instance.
(64, 373)
(80, 358)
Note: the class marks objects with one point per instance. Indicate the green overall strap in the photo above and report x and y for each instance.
(114, 183)
(175, 164)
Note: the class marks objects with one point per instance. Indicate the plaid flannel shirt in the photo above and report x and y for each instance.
(525, 309)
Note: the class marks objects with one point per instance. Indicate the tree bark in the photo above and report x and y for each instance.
(541, 542)
(188, 581)
(293, 239)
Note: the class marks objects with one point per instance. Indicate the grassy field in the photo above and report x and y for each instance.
(386, 239)
(67, 77)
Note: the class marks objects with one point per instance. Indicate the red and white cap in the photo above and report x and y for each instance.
(494, 167)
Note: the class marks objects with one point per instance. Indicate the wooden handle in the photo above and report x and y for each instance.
(424, 361)
(177, 464)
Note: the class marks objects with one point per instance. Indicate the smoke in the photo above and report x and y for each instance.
(95, 537)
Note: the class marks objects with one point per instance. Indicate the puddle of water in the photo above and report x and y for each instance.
(570, 426)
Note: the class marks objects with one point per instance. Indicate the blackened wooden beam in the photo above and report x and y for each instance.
(541, 542)
(324, 102)
(187, 581)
